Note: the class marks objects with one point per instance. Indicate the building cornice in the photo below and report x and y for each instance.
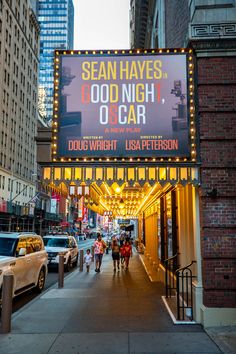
(208, 31)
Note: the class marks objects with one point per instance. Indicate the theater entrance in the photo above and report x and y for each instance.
(161, 206)
(123, 146)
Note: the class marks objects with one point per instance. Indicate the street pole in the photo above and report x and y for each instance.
(11, 200)
(9, 226)
(33, 226)
(40, 227)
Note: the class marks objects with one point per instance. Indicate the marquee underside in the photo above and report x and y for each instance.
(122, 191)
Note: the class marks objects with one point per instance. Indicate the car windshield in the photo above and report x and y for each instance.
(56, 242)
(7, 246)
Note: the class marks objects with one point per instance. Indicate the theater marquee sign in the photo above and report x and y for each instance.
(123, 105)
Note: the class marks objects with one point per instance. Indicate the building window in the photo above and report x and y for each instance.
(9, 185)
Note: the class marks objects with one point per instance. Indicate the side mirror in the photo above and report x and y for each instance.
(22, 252)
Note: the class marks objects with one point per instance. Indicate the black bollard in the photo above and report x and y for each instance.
(61, 271)
(81, 260)
(7, 290)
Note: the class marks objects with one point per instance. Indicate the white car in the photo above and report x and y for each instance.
(57, 245)
(22, 254)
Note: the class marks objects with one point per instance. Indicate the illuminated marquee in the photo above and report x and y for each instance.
(124, 105)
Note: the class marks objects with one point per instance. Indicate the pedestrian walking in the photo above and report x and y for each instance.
(99, 248)
(122, 239)
(115, 254)
(127, 253)
(88, 259)
(122, 255)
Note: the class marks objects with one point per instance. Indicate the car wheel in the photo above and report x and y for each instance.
(68, 265)
(41, 281)
(75, 263)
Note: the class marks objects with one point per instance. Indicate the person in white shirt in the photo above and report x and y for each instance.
(88, 259)
(99, 248)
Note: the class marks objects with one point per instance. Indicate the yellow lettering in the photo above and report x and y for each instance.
(124, 67)
(157, 67)
(133, 71)
(149, 70)
(102, 71)
(85, 68)
(140, 93)
(113, 93)
(94, 70)
(111, 67)
(131, 116)
(141, 66)
(107, 71)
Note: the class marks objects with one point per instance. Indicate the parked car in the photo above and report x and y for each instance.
(65, 245)
(23, 255)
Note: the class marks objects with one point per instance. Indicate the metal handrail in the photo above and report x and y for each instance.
(169, 274)
(172, 257)
(187, 266)
(184, 299)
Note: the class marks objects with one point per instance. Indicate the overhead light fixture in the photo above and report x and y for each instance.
(122, 204)
(118, 190)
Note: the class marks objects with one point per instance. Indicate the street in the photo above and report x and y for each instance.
(52, 278)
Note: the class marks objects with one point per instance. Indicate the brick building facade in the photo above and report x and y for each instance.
(209, 28)
(217, 117)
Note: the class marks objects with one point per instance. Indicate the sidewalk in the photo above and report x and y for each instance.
(103, 313)
(224, 337)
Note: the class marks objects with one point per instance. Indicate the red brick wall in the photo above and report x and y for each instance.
(217, 124)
